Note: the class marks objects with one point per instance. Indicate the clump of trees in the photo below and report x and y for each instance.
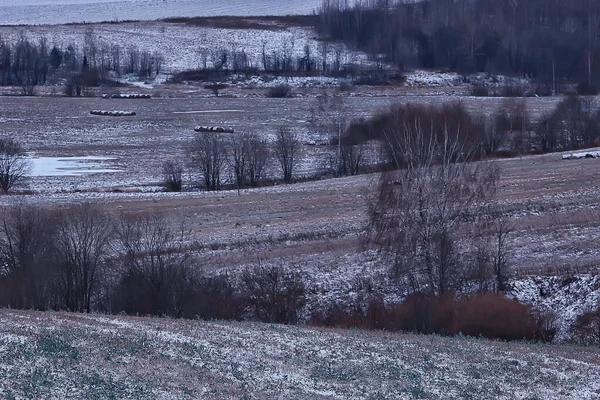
(573, 124)
(27, 63)
(549, 42)
(14, 165)
(240, 159)
(83, 258)
(426, 204)
(289, 59)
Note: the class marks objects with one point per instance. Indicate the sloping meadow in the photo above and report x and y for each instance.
(60, 355)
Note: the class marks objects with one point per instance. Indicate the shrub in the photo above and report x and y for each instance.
(280, 92)
(216, 88)
(514, 90)
(212, 297)
(544, 324)
(488, 315)
(480, 91)
(423, 313)
(364, 312)
(494, 317)
(586, 328)
(585, 89)
(14, 165)
(172, 172)
(273, 294)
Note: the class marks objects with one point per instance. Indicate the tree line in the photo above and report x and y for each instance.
(27, 63)
(328, 59)
(82, 258)
(546, 40)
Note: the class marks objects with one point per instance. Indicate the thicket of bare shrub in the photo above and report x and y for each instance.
(574, 123)
(273, 294)
(172, 172)
(487, 315)
(82, 258)
(280, 92)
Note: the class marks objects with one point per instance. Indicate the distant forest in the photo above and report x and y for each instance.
(546, 40)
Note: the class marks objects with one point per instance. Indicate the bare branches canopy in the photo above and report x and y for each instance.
(14, 166)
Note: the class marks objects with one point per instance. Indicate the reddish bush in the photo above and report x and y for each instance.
(422, 313)
(495, 317)
(364, 313)
(488, 315)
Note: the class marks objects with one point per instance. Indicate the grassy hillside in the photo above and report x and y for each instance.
(61, 355)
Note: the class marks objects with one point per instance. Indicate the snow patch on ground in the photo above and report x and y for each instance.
(569, 296)
(583, 154)
(431, 78)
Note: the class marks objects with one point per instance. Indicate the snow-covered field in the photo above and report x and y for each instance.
(183, 46)
(38, 12)
(73, 356)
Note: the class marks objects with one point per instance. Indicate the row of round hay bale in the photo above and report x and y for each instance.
(216, 129)
(113, 113)
(127, 96)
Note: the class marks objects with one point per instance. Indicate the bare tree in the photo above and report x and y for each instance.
(258, 158)
(420, 210)
(350, 159)
(329, 116)
(82, 240)
(493, 137)
(27, 255)
(155, 265)
(172, 172)
(512, 118)
(209, 156)
(249, 156)
(240, 154)
(14, 165)
(286, 151)
(502, 228)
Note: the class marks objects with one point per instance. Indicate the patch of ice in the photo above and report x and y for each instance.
(69, 166)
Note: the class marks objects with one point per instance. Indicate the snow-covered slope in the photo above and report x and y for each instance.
(74, 356)
(33, 12)
(182, 45)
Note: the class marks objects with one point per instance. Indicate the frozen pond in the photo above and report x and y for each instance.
(41, 12)
(69, 166)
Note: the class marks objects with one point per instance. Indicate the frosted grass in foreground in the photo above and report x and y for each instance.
(60, 355)
(69, 166)
(42, 12)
